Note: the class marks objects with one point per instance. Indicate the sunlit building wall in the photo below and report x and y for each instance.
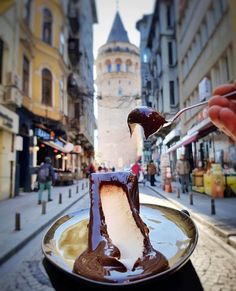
(206, 33)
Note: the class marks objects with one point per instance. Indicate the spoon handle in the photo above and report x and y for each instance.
(228, 95)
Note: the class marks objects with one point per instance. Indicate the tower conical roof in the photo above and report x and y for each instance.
(118, 32)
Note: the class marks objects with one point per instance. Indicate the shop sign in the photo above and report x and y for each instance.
(44, 135)
(59, 143)
(8, 120)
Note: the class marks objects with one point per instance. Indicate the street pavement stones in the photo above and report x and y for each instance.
(224, 220)
(32, 219)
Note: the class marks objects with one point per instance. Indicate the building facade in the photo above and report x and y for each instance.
(159, 58)
(118, 86)
(206, 33)
(203, 36)
(37, 62)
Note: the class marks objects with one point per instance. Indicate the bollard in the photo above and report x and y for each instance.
(82, 186)
(60, 198)
(17, 221)
(191, 198)
(87, 184)
(178, 192)
(69, 193)
(77, 189)
(44, 203)
(213, 209)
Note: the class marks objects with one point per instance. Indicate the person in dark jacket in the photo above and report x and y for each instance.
(152, 170)
(45, 178)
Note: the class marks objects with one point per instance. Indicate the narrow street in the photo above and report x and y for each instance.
(214, 261)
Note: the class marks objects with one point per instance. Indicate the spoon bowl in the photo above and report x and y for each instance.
(152, 121)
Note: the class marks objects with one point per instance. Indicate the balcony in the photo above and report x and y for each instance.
(72, 87)
(74, 24)
(73, 51)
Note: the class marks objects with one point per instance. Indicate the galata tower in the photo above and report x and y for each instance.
(118, 90)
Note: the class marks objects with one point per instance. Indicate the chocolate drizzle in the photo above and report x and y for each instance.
(100, 261)
(149, 119)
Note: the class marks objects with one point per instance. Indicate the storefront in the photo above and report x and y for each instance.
(9, 125)
(212, 157)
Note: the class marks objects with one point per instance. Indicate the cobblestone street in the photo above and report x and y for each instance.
(215, 266)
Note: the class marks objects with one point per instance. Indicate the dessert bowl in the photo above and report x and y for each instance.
(172, 232)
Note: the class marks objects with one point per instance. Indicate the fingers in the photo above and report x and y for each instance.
(228, 119)
(219, 101)
(225, 119)
(224, 89)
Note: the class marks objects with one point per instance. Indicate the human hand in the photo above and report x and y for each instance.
(222, 111)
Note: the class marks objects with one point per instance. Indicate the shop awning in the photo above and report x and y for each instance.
(203, 127)
(187, 139)
(55, 146)
(175, 133)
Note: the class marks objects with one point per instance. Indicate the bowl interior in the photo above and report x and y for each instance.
(172, 233)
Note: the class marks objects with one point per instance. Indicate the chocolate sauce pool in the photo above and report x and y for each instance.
(100, 261)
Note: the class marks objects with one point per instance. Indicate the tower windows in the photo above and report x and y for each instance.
(128, 65)
(108, 66)
(118, 65)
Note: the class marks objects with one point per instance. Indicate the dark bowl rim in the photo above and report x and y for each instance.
(160, 275)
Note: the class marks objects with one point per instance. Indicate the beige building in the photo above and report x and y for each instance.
(9, 120)
(118, 87)
(206, 34)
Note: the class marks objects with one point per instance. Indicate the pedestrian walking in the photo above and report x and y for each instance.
(183, 170)
(152, 170)
(136, 168)
(45, 178)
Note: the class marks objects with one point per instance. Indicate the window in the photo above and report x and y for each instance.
(108, 66)
(62, 43)
(172, 92)
(225, 69)
(128, 65)
(1, 59)
(118, 65)
(168, 16)
(26, 13)
(170, 53)
(210, 21)
(204, 34)
(61, 96)
(46, 87)
(120, 91)
(47, 26)
(145, 58)
(26, 75)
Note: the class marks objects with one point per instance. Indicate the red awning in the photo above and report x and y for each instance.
(187, 139)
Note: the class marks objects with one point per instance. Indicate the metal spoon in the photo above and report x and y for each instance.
(152, 121)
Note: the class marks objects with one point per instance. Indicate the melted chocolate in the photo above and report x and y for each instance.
(100, 261)
(150, 120)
